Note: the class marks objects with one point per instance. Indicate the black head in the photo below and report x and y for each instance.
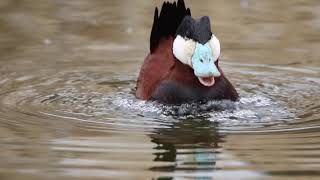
(196, 46)
(198, 30)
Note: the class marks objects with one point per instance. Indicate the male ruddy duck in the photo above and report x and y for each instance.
(183, 63)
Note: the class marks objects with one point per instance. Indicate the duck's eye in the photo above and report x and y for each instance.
(215, 47)
(188, 34)
(183, 49)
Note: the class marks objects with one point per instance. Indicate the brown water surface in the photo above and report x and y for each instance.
(67, 111)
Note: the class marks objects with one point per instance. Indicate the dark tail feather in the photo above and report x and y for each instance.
(166, 24)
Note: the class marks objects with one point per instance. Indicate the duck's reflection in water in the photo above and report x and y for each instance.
(191, 145)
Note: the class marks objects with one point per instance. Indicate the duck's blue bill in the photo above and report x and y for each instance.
(203, 62)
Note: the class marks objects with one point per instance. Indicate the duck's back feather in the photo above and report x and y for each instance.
(156, 67)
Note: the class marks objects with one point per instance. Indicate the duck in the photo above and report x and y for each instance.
(183, 63)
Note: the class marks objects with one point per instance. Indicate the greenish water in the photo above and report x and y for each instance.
(67, 111)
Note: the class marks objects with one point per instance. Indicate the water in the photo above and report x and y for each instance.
(67, 76)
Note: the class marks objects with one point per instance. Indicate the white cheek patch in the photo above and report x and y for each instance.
(215, 47)
(183, 49)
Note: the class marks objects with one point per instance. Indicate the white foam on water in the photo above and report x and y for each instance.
(137, 105)
(249, 110)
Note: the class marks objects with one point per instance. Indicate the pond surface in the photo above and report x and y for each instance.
(68, 71)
